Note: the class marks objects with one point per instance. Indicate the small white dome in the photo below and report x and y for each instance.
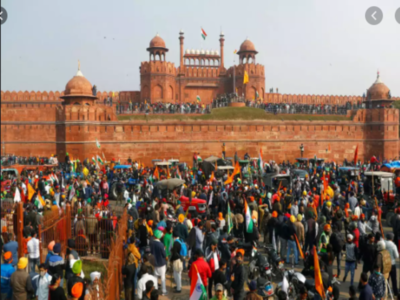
(222, 33)
(216, 52)
(197, 51)
(181, 32)
(207, 52)
(193, 51)
(212, 52)
(187, 51)
(202, 51)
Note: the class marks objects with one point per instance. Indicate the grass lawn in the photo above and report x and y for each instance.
(235, 113)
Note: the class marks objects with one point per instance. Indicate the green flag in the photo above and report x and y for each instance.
(229, 221)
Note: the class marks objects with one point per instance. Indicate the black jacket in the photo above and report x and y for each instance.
(220, 277)
(129, 275)
(238, 283)
(70, 283)
(182, 231)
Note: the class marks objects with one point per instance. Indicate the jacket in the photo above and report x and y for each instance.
(203, 268)
(311, 230)
(21, 285)
(71, 282)
(129, 272)
(394, 254)
(366, 293)
(253, 296)
(238, 282)
(56, 265)
(6, 271)
(182, 231)
(91, 225)
(157, 249)
(368, 254)
(299, 232)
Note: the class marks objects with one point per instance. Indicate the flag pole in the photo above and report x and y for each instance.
(234, 83)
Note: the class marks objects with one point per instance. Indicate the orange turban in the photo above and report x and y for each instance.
(274, 214)
(7, 256)
(241, 251)
(251, 199)
(77, 290)
(51, 245)
(220, 217)
(150, 222)
(362, 217)
(327, 227)
(354, 218)
(347, 206)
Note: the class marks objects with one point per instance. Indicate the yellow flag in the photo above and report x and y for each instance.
(245, 77)
(31, 191)
(85, 171)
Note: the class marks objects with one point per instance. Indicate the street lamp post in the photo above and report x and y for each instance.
(301, 149)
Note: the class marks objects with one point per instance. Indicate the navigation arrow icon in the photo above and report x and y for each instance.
(374, 15)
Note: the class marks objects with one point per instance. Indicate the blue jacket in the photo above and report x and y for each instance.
(12, 246)
(157, 249)
(6, 272)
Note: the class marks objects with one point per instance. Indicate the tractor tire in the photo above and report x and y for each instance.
(389, 216)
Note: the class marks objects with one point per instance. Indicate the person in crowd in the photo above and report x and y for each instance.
(383, 259)
(366, 292)
(200, 266)
(219, 292)
(177, 263)
(237, 278)
(33, 252)
(56, 291)
(128, 273)
(252, 294)
(377, 283)
(394, 254)
(21, 282)
(212, 256)
(368, 253)
(158, 250)
(7, 270)
(337, 241)
(351, 258)
(141, 288)
(149, 289)
(42, 283)
(12, 246)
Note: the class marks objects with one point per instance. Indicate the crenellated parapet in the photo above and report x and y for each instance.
(158, 67)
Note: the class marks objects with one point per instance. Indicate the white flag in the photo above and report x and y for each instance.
(17, 197)
(211, 199)
(97, 144)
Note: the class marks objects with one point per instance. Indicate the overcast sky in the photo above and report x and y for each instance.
(306, 46)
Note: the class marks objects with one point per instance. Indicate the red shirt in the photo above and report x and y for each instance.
(203, 268)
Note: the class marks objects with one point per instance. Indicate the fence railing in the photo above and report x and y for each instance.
(59, 225)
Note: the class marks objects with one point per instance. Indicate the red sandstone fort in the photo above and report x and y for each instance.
(45, 123)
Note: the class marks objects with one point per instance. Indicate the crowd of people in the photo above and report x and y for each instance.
(320, 209)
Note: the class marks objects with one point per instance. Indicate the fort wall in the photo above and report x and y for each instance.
(25, 132)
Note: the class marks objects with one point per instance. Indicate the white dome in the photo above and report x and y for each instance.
(202, 51)
(187, 51)
(197, 51)
(193, 51)
(207, 52)
(216, 52)
(181, 32)
(212, 52)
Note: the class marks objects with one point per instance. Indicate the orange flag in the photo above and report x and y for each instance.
(156, 173)
(212, 176)
(168, 175)
(235, 172)
(299, 247)
(40, 198)
(319, 286)
(31, 192)
(329, 147)
(356, 155)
